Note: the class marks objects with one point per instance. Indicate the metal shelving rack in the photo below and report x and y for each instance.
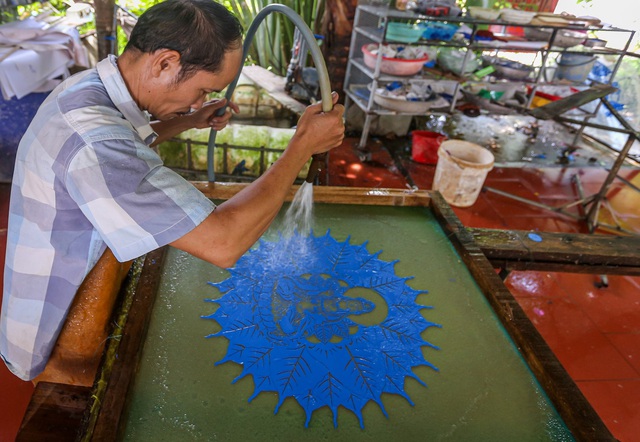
(590, 205)
(370, 26)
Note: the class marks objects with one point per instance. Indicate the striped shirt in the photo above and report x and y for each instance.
(85, 179)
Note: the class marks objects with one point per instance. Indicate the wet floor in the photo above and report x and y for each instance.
(517, 140)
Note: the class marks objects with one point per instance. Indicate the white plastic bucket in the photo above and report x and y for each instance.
(461, 170)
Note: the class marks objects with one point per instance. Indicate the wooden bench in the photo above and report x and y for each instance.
(274, 86)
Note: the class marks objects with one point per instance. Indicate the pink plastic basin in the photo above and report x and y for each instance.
(392, 66)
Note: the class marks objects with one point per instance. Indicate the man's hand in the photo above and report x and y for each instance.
(205, 117)
(320, 131)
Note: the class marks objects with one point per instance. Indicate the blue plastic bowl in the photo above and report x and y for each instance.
(434, 30)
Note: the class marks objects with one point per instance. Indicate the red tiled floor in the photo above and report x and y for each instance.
(5, 191)
(618, 404)
(614, 309)
(534, 285)
(628, 344)
(14, 398)
(482, 214)
(584, 351)
(377, 170)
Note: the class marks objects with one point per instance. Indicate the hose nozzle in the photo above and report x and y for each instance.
(317, 164)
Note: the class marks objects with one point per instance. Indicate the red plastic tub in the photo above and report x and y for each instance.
(424, 146)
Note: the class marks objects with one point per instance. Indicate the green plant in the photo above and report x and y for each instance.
(135, 7)
(271, 46)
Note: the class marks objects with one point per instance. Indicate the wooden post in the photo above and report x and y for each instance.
(105, 27)
(337, 26)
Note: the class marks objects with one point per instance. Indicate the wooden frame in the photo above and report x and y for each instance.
(560, 252)
(108, 403)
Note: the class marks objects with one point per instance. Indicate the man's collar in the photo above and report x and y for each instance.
(119, 94)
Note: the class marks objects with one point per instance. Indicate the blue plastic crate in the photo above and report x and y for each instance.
(436, 30)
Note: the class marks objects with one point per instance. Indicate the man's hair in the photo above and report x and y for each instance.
(202, 31)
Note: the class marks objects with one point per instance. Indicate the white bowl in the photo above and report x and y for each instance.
(509, 69)
(480, 13)
(400, 105)
(516, 16)
(565, 38)
(595, 43)
(409, 107)
(548, 19)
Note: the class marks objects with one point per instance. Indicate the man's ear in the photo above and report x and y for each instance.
(165, 63)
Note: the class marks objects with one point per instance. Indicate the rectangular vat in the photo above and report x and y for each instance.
(497, 379)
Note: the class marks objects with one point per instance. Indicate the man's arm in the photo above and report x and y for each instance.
(203, 118)
(238, 223)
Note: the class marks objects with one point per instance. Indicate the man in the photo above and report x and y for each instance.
(87, 183)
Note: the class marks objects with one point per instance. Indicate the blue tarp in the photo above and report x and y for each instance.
(15, 116)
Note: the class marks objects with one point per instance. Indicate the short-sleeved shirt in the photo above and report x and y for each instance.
(85, 179)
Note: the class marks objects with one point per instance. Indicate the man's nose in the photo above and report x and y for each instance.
(197, 104)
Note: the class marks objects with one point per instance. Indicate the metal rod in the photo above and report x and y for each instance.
(627, 182)
(576, 179)
(593, 139)
(533, 203)
(593, 210)
(595, 125)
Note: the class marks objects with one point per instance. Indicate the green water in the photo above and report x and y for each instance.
(483, 392)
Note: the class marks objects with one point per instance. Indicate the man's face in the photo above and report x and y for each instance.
(179, 98)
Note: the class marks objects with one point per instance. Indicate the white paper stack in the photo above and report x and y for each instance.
(35, 57)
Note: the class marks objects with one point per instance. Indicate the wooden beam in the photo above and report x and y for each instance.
(329, 194)
(560, 252)
(120, 360)
(105, 27)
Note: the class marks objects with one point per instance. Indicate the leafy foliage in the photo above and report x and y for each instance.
(272, 43)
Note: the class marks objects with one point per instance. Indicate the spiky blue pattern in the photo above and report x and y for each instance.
(283, 309)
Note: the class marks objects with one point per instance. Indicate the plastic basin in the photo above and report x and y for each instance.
(424, 146)
(403, 32)
(392, 66)
(439, 31)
